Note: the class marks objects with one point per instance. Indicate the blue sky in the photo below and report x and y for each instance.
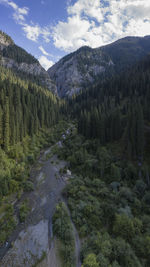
(49, 29)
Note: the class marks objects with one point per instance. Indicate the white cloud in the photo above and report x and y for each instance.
(43, 51)
(45, 62)
(91, 8)
(19, 13)
(32, 32)
(89, 22)
(97, 22)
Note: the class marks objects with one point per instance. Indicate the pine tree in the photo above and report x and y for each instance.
(6, 125)
(140, 132)
(1, 125)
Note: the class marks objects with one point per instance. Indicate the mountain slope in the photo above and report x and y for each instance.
(78, 69)
(128, 50)
(85, 66)
(17, 59)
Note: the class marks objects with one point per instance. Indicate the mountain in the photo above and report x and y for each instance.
(128, 50)
(78, 69)
(94, 146)
(85, 66)
(17, 59)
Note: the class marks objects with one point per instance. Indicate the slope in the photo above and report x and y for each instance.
(78, 70)
(24, 64)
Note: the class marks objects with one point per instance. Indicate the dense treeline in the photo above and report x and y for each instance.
(27, 111)
(24, 109)
(109, 195)
(117, 109)
(109, 198)
(15, 52)
(18, 54)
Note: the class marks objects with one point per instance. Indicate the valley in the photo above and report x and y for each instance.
(75, 157)
(33, 240)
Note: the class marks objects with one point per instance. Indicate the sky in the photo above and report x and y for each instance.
(50, 29)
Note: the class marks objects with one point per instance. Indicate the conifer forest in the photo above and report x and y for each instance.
(80, 163)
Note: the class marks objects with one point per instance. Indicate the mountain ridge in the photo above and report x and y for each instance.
(16, 58)
(76, 70)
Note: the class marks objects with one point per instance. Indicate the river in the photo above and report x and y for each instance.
(34, 238)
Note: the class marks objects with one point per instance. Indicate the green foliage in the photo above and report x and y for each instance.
(126, 227)
(64, 232)
(23, 211)
(25, 108)
(7, 224)
(109, 195)
(109, 220)
(28, 186)
(90, 261)
(18, 54)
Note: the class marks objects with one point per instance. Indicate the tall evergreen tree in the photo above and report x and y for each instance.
(6, 135)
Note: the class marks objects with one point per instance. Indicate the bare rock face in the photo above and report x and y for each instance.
(17, 59)
(5, 40)
(34, 69)
(75, 71)
(29, 247)
(83, 68)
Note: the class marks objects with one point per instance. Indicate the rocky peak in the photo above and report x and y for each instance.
(5, 40)
(17, 59)
(76, 70)
(85, 66)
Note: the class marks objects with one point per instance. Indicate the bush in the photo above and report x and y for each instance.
(28, 186)
(63, 230)
(126, 227)
(90, 261)
(23, 211)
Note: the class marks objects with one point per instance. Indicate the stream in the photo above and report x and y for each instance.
(33, 239)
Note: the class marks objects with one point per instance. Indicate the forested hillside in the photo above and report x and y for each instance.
(84, 67)
(109, 196)
(23, 64)
(28, 113)
(103, 142)
(117, 109)
(24, 108)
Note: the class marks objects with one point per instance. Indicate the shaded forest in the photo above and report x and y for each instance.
(107, 151)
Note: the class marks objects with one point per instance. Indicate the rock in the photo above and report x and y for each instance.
(29, 247)
(9, 60)
(34, 69)
(59, 144)
(68, 172)
(85, 67)
(73, 72)
(64, 136)
(5, 40)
